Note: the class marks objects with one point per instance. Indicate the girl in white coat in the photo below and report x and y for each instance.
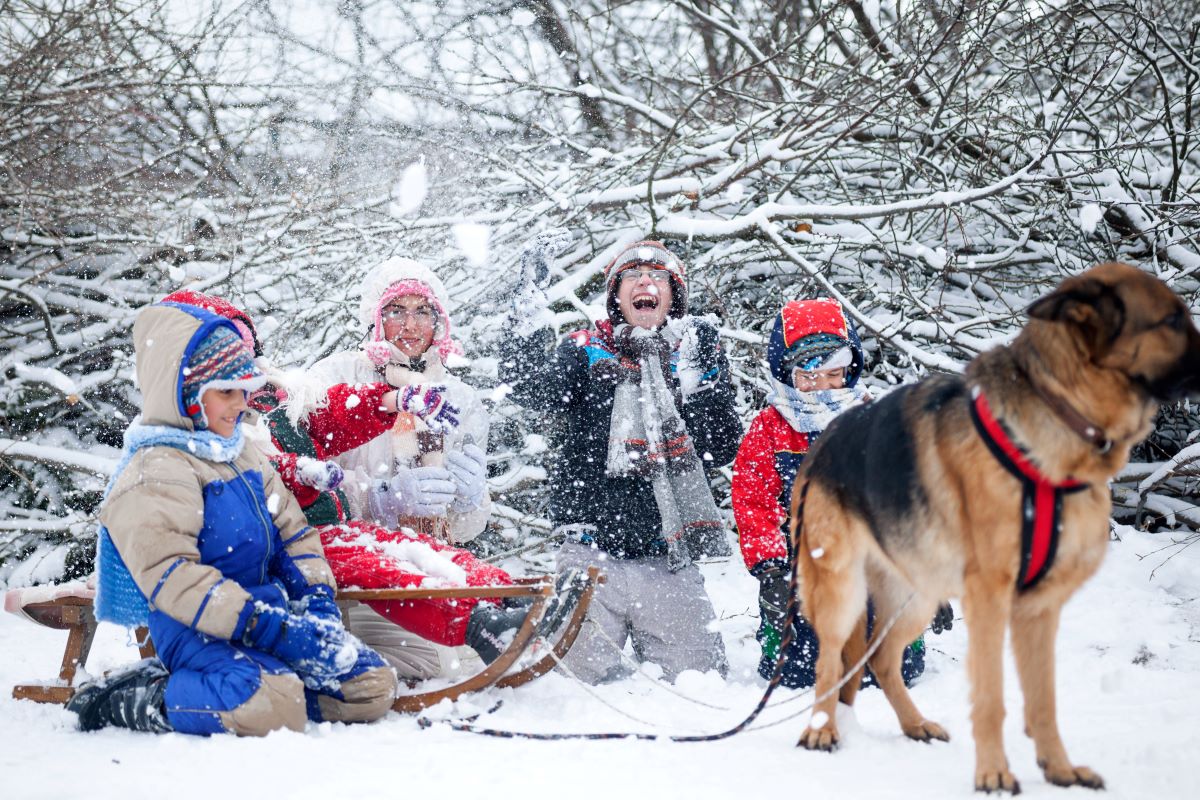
(440, 478)
(415, 477)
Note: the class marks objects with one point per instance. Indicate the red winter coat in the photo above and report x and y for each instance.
(352, 417)
(771, 453)
(763, 472)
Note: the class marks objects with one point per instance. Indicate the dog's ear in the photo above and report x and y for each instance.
(1093, 306)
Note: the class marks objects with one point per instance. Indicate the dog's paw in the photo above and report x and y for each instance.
(996, 780)
(824, 738)
(926, 731)
(1074, 776)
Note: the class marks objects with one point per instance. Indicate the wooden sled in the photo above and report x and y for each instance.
(69, 607)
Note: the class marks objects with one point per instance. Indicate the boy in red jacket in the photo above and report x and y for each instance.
(816, 359)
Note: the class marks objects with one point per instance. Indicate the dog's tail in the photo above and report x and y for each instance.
(856, 645)
(795, 531)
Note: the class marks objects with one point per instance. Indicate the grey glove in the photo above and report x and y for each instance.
(530, 309)
(416, 492)
(535, 258)
(699, 365)
(468, 470)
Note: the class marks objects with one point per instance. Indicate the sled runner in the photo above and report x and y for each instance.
(69, 607)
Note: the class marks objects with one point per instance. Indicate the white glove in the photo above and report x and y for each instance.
(416, 492)
(324, 476)
(468, 470)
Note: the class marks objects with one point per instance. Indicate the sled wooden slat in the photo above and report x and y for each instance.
(526, 590)
(564, 643)
(411, 703)
(495, 675)
(74, 615)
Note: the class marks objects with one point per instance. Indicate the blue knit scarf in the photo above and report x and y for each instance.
(811, 412)
(118, 598)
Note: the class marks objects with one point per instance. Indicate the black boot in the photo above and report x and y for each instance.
(133, 699)
(491, 628)
(568, 588)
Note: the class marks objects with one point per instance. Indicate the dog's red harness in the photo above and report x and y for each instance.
(1041, 498)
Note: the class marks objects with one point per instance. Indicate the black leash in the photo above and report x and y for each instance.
(789, 628)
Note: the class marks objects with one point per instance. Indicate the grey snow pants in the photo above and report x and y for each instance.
(668, 616)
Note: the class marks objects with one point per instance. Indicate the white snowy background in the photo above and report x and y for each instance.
(1129, 699)
(935, 165)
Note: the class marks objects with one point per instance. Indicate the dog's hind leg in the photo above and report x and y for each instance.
(832, 557)
(1033, 633)
(987, 600)
(909, 622)
(852, 653)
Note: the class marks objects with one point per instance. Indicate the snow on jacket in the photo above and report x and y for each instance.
(771, 454)
(380, 361)
(199, 536)
(618, 514)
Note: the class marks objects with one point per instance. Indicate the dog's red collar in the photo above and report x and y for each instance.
(1041, 498)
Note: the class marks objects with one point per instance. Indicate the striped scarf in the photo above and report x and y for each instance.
(647, 439)
(811, 412)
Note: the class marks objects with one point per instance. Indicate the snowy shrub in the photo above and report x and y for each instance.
(934, 170)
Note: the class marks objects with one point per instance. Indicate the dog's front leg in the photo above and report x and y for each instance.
(986, 603)
(1035, 627)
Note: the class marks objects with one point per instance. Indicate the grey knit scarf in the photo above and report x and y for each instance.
(647, 439)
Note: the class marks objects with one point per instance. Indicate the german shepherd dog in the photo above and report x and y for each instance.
(990, 486)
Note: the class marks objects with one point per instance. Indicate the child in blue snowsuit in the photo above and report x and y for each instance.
(202, 541)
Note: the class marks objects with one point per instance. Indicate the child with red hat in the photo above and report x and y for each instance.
(815, 359)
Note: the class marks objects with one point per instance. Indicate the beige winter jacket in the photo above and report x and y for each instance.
(155, 511)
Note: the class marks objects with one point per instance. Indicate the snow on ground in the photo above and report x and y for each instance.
(1129, 697)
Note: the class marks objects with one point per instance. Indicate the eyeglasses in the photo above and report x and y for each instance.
(422, 316)
(656, 275)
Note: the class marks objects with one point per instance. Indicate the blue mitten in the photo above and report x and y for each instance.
(309, 645)
(318, 601)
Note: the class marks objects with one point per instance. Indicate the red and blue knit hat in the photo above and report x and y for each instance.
(221, 360)
(813, 334)
(222, 308)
